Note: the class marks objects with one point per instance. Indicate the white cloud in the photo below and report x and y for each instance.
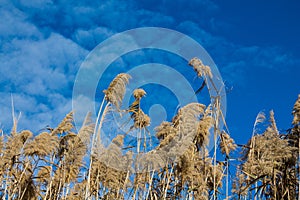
(91, 38)
(37, 68)
(35, 3)
(15, 25)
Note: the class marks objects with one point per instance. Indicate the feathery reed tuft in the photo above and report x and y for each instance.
(273, 122)
(139, 93)
(65, 125)
(202, 136)
(116, 90)
(140, 119)
(201, 69)
(44, 144)
(296, 111)
(260, 118)
(227, 144)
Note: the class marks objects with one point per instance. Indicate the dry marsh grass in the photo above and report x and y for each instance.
(64, 164)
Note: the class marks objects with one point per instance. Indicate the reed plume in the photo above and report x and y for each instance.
(184, 127)
(201, 69)
(140, 119)
(273, 122)
(65, 125)
(165, 132)
(187, 118)
(204, 125)
(13, 148)
(116, 90)
(42, 145)
(296, 112)
(139, 93)
(227, 144)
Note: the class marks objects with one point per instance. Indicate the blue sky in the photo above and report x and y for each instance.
(255, 45)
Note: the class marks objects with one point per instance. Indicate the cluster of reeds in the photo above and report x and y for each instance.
(270, 162)
(45, 166)
(62, 163)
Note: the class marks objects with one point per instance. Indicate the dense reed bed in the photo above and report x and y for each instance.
(63, 163)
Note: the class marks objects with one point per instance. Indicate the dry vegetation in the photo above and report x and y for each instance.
(63, 164)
